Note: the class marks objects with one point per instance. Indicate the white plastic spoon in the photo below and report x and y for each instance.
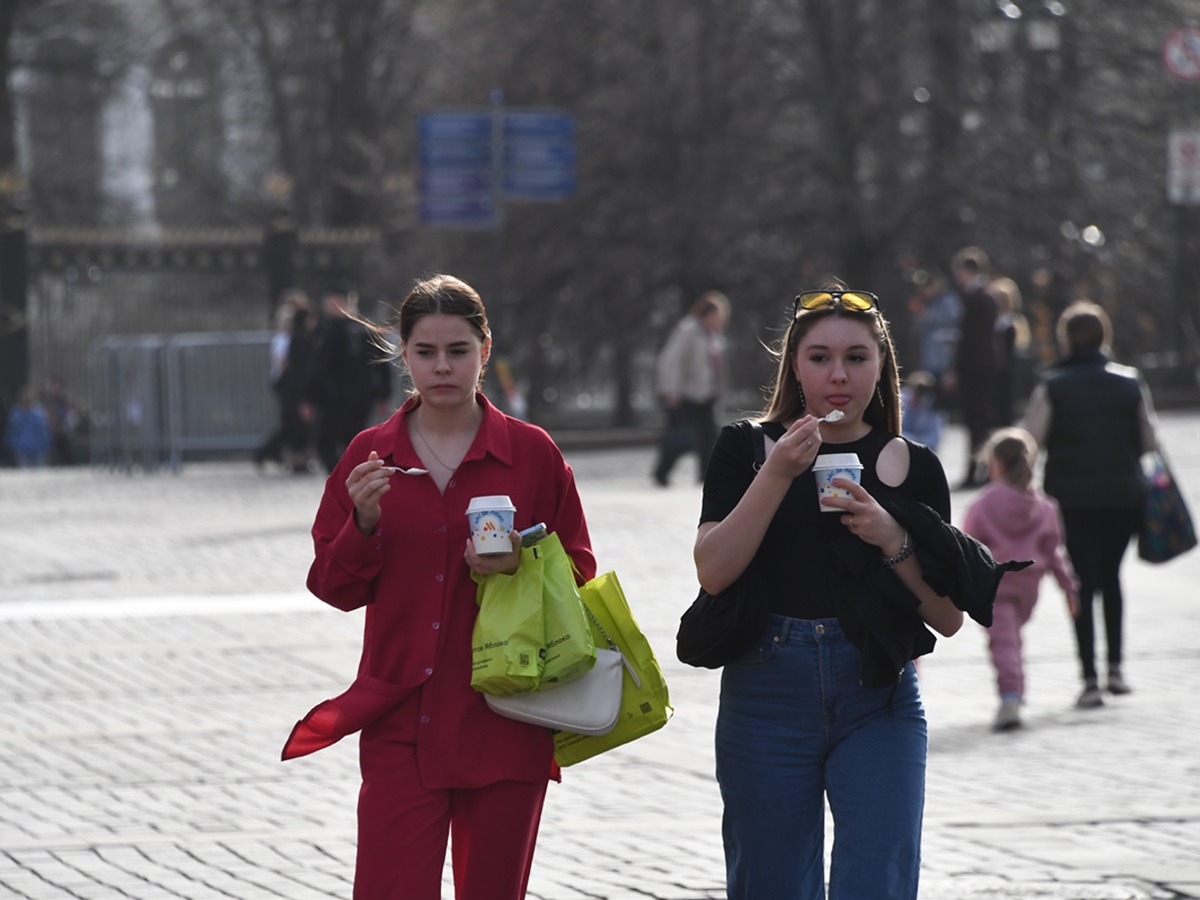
(394, 469)
(835, 415)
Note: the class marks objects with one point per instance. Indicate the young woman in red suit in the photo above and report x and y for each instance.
(437, 765)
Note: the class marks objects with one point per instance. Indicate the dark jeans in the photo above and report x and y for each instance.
(1096, 543)
(796, 730)
(691, 427)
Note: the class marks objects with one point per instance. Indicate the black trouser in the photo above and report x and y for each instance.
(977, 396)
(690, 427)
(1096, 543)
(337, 424)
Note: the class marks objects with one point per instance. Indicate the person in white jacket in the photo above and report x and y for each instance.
(689, 374)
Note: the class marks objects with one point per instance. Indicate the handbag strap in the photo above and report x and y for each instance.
(759, 443)
(611, 643)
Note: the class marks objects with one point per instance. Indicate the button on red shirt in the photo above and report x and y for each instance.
(414, 678)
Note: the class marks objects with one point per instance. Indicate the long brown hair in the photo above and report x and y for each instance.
(431, 295)
(785, 402)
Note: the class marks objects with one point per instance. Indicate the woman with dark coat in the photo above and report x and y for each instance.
(1095, 419)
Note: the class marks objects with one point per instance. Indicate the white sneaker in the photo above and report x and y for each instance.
(1009, 715)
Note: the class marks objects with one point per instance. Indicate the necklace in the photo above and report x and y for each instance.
(436, 458)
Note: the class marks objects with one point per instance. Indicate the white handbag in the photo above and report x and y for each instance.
(586, 705)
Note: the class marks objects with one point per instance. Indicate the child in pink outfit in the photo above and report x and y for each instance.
(1017, 521)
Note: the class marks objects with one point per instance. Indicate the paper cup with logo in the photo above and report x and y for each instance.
(491, 521)
(829, 466)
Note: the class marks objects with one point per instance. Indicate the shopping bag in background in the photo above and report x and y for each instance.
(645, 701)
(1166, 529)
(508, 639)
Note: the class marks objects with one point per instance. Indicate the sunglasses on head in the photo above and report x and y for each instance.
(859, 301)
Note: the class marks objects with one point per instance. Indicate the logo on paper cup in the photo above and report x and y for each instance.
(825, 485)
(491, 521)
(488, 526)
(831, 466)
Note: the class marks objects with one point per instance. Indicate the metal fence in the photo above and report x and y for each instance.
(218, 393)
(157, 400)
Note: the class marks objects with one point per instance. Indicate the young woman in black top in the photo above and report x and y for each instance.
(826, 704)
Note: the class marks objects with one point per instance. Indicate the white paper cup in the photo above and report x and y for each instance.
(491, 521)
(829, 466)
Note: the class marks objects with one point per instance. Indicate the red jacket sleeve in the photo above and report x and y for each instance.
(572, 528)
(347, 561)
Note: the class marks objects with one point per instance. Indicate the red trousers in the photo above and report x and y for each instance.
(403, 830)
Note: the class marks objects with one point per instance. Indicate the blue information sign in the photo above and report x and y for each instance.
(457, 126)
(468, 166)
(539, 155)
(458, 182)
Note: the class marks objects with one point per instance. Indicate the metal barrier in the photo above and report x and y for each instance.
(126, 401)
(156, 399)
(218, 392)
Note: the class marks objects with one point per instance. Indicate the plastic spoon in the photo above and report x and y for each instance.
(394, 469)
(835, 415)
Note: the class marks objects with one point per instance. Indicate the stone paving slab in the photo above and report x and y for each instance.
(158, 646)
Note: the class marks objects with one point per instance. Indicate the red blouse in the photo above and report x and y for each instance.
(414, 676)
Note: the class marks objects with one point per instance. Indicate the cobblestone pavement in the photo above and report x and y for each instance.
(158, 646)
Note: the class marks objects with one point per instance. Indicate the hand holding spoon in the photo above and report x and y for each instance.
(402, 471)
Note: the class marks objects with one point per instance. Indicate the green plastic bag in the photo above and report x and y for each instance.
(569, 648)
(645, 701)
(507, 644)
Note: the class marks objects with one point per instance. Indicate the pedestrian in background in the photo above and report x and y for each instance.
(63, 418)
(1095, 419)
(689, 372)
(344, 383)
(1017, 521)
(297, 426)
(1012, 347)
(825, 704)
(435, 759)
(919, 413)
(280, 441)
(936, 311)
(27, 435)
(974, 370)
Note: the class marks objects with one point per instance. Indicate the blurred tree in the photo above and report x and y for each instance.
(8, 143)
(755, 147)
(14, 334)
(185, 97)
(331, 75)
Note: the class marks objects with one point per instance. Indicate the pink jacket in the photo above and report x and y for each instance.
(1021, 524)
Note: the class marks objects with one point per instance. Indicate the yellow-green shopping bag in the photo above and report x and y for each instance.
(508, 638)
(645, 700)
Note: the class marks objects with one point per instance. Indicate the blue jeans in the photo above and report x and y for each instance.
(794, 727)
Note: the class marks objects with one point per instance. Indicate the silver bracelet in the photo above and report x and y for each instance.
(906, 550)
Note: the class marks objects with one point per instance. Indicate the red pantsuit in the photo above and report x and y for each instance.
(403, 829)
(434, 758)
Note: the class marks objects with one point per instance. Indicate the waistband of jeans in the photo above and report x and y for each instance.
(788, 628)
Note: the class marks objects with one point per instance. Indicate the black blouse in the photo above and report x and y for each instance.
(797, 567)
